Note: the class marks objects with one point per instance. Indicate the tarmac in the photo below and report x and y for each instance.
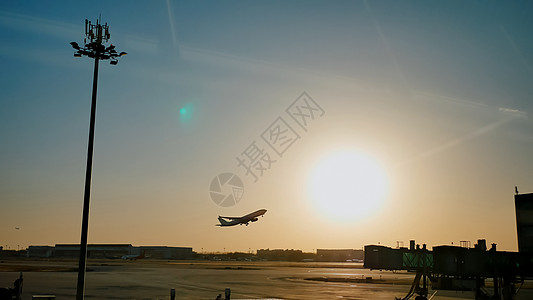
(153, 279)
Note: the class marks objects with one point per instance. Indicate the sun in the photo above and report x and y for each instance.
(347, 186)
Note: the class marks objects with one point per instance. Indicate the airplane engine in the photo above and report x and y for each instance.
(254, 219)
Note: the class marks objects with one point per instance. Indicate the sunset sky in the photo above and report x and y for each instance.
(417, 125)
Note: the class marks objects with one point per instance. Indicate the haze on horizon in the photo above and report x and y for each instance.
(424, 126)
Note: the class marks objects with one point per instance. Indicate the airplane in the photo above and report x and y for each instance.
(133, 257)
(252, 217)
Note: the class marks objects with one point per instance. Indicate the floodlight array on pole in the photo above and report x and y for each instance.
(97, 34)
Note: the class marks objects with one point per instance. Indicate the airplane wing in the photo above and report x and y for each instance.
(231, 218)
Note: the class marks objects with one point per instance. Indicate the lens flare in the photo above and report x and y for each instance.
(186, 112)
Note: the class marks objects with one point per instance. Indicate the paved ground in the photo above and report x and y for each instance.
(147, 279)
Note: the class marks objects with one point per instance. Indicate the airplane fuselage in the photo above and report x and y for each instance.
(251, 217)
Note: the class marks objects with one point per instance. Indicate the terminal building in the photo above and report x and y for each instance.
(40, 251)
(116, 251)
(281, 254)
(94, 250)
(164, 252)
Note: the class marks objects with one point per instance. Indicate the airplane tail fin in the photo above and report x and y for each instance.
(222, 222)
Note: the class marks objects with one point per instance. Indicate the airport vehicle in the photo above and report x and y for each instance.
(251, 217)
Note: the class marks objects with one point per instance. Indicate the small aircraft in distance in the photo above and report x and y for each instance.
(133, 257)
(252, 217)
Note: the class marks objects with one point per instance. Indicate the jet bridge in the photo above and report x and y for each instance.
(464, 268)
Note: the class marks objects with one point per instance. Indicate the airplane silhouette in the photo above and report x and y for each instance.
(251, 217)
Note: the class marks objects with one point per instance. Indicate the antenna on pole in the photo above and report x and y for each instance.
(98, 51)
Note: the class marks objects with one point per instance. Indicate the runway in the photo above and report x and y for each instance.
(149, 279)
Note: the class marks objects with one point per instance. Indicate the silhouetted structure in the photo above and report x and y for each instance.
(339, 255)
(93, 250)
(164, 252)
(41, 251)
(110, 251)
(465, 268)
(14, 293)
(98, 34)
(13, 253)
(524, 221)
(281, 255)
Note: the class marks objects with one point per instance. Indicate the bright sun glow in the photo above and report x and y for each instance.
(347, 186)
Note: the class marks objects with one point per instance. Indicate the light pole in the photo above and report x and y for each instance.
(97, 34)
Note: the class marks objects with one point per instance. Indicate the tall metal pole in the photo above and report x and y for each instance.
(87, 196)
(97, 34)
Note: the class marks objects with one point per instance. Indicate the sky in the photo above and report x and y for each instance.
(351, 122)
